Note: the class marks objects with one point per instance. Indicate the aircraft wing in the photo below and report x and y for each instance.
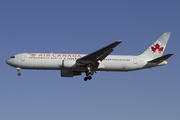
(99, 54)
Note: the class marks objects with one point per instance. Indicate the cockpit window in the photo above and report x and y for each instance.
(12, 57)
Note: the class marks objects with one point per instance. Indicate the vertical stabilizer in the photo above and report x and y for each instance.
(157, 48)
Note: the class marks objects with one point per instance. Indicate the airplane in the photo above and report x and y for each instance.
(100, 60)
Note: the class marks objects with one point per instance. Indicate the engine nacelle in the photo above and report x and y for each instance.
(69, 73)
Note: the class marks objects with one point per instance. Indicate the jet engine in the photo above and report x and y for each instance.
(69, 73)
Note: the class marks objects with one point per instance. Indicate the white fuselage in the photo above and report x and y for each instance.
(53, 61)
(100, 60)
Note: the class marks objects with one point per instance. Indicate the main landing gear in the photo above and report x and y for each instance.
(18, 70)
(87, 75)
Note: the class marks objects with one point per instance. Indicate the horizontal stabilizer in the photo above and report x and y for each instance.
(161, 59)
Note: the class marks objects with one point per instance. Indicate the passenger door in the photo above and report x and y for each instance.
(22, 57)
(135, 60)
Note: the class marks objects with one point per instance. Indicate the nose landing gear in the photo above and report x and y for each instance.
(18, 70)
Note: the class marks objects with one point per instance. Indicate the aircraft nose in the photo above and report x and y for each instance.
(8, 61)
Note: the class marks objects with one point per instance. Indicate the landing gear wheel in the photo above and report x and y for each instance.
(89, 77)
(18, 70)
(19, 74)
(85, 79)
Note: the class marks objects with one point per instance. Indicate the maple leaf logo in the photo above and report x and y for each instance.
(157, 47)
